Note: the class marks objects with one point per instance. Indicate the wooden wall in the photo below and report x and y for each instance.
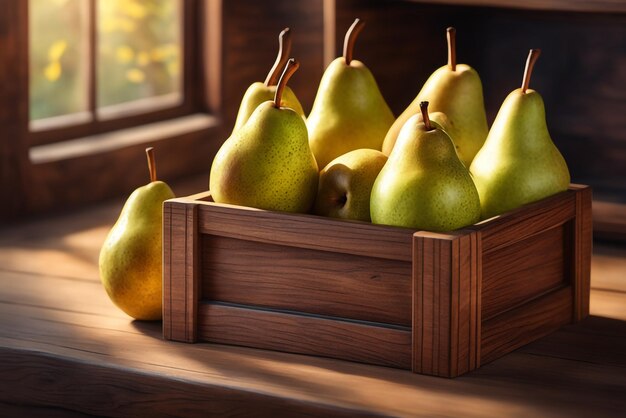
(250, 43)
(581, 73)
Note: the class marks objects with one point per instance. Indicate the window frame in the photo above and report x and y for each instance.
(72, 126)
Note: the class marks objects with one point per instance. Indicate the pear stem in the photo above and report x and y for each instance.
(290, 68)
(350, 39)
(424, 109)
(151, 164)
(530, 63)
(451, 35)
(284, 49)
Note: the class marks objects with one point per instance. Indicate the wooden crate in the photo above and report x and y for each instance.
(434, 303)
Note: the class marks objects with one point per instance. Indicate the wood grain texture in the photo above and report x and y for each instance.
(94, 389)
(313, 335)
(447, 303)
(13, 108)
(521, 325)
(53, 192)
(521, 223)
(521, 271)
(581, 260)
(250, 38)
(305, 231)
(318, 282)
(180, 271)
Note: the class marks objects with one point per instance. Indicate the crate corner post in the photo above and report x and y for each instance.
(180, 270)
(581, 261)
(446, 302)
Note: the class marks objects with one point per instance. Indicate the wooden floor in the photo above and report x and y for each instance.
(65, 350)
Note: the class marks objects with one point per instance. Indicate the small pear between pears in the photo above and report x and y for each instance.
(346, 184)
(131, 257)
(424, 185)
(519, 163)
(455, 90)
(259, 92)
(349, 111)
(267, 163)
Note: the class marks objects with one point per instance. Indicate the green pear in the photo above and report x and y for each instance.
(424, 185)
(267, 163)
(519, 163)
(259, 92)
(131, 256)
(349, 111)
(346, 184)
(455, 90)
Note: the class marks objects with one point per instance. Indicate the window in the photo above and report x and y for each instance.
(101, 65)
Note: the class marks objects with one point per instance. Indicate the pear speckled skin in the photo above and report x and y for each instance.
(424, 185)
(267, 164)
(519, 163)
(258, 93)
(131, 256)
(346, 184)
(459, 95)
(349, 112)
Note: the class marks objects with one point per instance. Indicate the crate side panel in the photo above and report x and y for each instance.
(524, 324)
(304, 280)
(523, 270)
(528, 220)
(303, 334)
(306, 231)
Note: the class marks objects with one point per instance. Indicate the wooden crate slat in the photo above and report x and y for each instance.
(524, 269)
(306, 231)
(526, 221)
(318, 282)
(305, 334)
(523, 324)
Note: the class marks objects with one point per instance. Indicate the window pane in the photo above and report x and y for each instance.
(58, 58)
(139, 50)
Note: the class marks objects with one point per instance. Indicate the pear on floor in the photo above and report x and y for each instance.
(267, 163)
(130, 260)
(259, 92)
(456, 91)
(349, 111)
(424, 185)
(519, 163)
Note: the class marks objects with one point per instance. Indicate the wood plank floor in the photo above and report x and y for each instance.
(66, 351)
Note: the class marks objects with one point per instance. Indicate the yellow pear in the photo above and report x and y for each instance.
(424, 185)
(267, 163)
(519, 163)
(346, 184)
(131, 256)
(349, 111)
(259, 92)
(455, 90)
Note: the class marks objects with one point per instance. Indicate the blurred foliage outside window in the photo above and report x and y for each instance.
(138, 53)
